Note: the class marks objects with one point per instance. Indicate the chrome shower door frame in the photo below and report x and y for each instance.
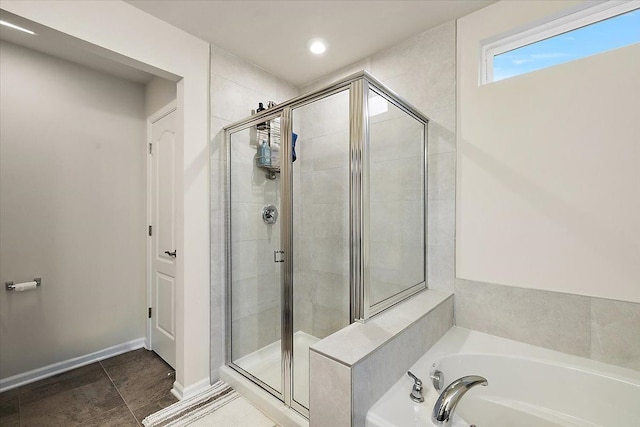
(360, 165)
(286, 238)
(229, 130)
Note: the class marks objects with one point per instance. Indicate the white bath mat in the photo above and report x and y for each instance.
(237, 413)
(190, 410)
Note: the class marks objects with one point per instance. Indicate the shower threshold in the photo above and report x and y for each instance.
(265, 364)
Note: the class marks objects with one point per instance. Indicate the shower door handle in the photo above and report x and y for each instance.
(278, 256)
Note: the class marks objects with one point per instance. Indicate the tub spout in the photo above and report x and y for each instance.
(450, 396)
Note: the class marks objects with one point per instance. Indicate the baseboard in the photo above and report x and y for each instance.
(67, 365)
(177, 389)
(186, 392)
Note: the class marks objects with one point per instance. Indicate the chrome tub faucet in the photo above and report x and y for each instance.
(450, 396)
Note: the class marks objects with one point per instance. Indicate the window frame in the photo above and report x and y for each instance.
(583, 17)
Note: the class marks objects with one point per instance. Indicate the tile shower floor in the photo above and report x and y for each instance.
(120, 391)
(265, 364)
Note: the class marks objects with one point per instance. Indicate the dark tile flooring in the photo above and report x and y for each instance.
(120, 391)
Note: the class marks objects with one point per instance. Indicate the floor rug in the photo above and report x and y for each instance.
(190, 410)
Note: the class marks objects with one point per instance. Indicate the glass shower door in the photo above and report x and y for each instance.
(321, 293)
(254, 266)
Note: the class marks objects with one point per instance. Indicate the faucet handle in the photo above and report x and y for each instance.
(416, 391)
(418, 381)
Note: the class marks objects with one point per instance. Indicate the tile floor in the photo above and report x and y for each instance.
(120, 391)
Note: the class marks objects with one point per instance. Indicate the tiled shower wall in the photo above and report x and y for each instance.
(321, 216)
(236, 88)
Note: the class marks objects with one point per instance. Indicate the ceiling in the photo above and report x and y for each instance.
(274, 34)
(64, 46)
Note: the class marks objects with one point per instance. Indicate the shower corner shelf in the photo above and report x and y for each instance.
(271, 171)
(269, 131)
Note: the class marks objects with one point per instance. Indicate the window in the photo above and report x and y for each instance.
(600, 28)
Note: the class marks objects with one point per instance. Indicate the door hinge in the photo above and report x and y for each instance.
(150, 148)
(150, 230)
(149, 312)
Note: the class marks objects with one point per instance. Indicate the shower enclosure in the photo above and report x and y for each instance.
(326, 225)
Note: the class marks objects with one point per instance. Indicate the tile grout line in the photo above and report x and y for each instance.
(119, 394)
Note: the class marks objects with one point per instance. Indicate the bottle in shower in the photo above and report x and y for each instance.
(264, 154)
(263, 125)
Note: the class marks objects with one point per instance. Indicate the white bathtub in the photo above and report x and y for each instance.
(528, 387)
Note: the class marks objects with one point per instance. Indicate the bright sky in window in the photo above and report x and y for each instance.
(618, 31)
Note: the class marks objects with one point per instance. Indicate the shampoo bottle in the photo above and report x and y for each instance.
(263, 125)
(264, 154)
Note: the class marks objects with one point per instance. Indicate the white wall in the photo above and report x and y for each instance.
(159, 93)
(548, 167)
(122, 32)
(72, 209)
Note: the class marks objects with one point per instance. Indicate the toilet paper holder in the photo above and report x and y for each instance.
(10, 285)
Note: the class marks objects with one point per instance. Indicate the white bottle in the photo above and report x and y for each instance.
(275, 154)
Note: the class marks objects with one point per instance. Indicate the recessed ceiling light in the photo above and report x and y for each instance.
(317, 46)
(15, 27)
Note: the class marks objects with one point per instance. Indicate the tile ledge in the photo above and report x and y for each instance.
(355, 342)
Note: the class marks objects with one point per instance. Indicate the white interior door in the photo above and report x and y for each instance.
(163, 234)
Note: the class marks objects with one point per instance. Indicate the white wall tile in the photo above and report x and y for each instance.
(329, 151)
(330, 186)
(255, 294)
(441, 270)
(231, 101)
(597, 328)
(397, 180)
(324, 81)
(327, 320)
(441, 182)
(548, 319)
(244, 259)
(615, 332)
(330, 395)
(415, 53)
(441, 221)
(442, 130)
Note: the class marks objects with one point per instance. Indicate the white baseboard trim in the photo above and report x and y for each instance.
(186, 392)
(67, 365)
